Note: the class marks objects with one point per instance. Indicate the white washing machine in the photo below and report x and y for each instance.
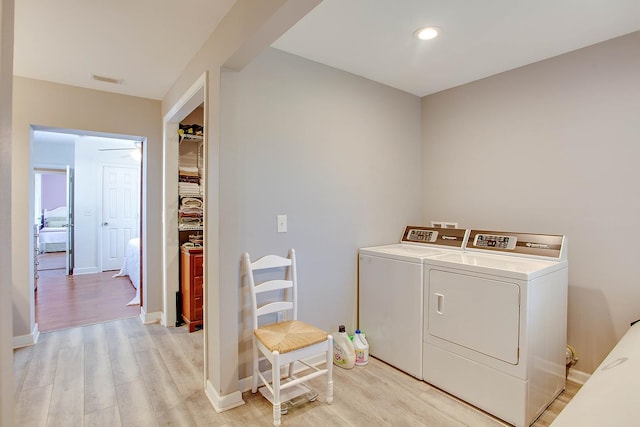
(390, 293)
(495, 323)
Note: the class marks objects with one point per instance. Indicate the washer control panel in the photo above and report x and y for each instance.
(449, 237)
(423, 236)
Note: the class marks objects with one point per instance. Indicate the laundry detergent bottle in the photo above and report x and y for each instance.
(361, 347)
(344, 354)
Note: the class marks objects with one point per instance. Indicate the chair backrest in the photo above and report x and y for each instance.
(286, 288)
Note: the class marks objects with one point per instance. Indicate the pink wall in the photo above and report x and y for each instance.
(54, 190)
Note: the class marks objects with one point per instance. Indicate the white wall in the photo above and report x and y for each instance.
(52, 154)
(552, 148)
(42, 103)
(249, 27)
(6, 320)
(338, 154)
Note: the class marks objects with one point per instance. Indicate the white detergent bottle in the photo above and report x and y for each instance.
(344, 354)
(361, 347)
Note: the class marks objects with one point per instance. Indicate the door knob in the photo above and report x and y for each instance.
(104, 224)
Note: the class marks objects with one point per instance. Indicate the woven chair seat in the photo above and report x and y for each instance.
(289, 335)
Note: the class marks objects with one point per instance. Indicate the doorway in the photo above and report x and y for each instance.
(177, 230)
(88, 289)
(51, 202)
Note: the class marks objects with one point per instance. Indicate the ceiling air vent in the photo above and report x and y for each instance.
(106, 79)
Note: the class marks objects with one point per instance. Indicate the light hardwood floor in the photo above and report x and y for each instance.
(123, 373)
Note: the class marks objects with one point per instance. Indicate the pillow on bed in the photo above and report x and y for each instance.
(55, 222)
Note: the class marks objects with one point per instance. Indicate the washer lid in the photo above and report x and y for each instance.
(403, 252)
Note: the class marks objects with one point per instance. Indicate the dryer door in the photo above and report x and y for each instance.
(474, 312)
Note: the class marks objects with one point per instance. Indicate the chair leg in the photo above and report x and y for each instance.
(330, 370)
(256, 367)
(275, 373)
(290, 372)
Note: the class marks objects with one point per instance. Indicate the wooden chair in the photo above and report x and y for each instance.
(285, 340)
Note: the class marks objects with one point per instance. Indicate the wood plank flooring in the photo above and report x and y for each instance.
(124, 373)
(63, 301)
(52, 261)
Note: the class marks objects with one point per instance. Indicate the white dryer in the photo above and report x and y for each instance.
(390, 293)
(495, 323)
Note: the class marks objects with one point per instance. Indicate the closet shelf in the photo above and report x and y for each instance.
(191, 137)
(190, 228)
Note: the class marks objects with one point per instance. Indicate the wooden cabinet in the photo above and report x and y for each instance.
(191, 283)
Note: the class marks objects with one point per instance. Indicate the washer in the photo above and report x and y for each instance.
(495, 322)
(390, 293)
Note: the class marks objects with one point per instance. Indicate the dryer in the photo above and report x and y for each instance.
(390, 293)
(495, 322)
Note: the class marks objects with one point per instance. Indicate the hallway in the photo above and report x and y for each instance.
(63, 301)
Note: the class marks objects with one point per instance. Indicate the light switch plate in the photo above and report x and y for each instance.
(282, 223)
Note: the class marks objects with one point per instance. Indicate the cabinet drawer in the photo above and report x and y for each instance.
(197, 265)
(197, 286)
(197, 312)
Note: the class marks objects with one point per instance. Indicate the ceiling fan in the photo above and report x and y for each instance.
(135, 152)
(137, 146)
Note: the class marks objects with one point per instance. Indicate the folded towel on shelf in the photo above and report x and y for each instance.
(191, 213)
(192, 179)
(190, 221)
(182, 214)
(188, 171)
(190, 202)
(188, 188)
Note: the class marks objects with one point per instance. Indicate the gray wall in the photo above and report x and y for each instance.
(552, 147)
(338, 154)
(6, 332)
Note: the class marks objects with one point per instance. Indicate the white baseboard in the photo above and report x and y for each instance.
(223, 403)
(148, 318)
(85, 270)
(165, 322)
(27, 340)
(578, 376)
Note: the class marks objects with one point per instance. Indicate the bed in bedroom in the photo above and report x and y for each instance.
(131, 267)
(52, 237)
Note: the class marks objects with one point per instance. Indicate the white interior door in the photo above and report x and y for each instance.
(120, 208)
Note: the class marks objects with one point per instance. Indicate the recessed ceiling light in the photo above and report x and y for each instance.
(426, 33)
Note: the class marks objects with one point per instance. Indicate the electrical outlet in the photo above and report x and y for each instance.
(444, 224)
(282, 223)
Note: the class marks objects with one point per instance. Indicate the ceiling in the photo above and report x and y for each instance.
(146, 47)
(136, 41)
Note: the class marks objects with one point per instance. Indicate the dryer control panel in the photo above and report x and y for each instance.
(550, 246)
(494, 241)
